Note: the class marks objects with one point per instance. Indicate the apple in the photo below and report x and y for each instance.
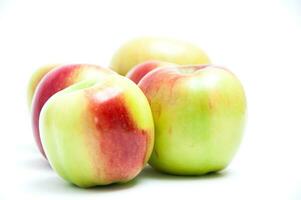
(199, 114)
(35, 79)
(140, 70)
(56, 80)
(98, 132)
(156, 48)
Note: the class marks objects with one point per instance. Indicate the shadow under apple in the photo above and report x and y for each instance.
(151, 173)
(55, 185)
(36, 163)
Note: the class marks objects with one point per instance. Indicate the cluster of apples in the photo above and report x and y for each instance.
(172, 110)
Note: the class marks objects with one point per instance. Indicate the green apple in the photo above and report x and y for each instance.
(199, 115)
(155, 48)
(97, 131)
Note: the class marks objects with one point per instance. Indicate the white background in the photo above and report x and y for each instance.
(257, 40)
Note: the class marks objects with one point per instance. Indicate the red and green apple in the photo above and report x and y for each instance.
(199, 115)
(140, 70)
(98, 131)
(56, 80)
(35, 80)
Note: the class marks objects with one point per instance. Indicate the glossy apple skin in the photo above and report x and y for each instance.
(35, 79)
(155, 48)
(199, 114)
(98, 133)
(140, 70)
(56, 80)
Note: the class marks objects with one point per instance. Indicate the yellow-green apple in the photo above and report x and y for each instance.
(156, 48)
(35, 79)
(140, 70)
(98, 132)
(56, 80)
(199, 115)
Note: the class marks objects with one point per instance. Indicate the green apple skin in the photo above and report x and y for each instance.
(199, 114)
(156, 48)
(35, 80)
(98, 132)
